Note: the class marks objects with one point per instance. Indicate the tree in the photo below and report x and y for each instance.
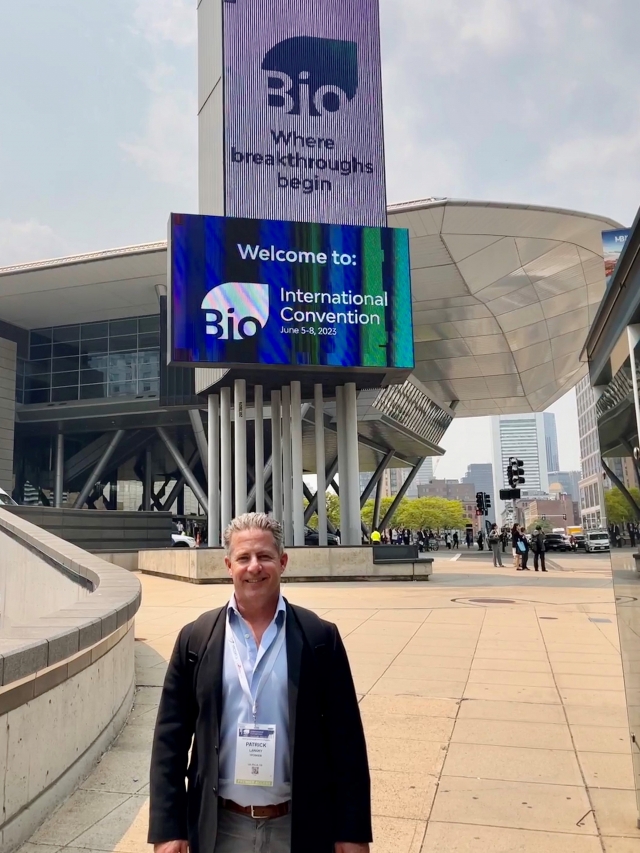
(617, 507)
(546, 525)
(385, 503)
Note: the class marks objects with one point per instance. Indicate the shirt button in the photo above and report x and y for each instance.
(247, 636)
(215, 790)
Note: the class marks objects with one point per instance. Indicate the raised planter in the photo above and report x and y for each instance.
(342, 563)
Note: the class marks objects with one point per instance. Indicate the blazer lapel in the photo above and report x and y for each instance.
(210, 672)
(294, 660)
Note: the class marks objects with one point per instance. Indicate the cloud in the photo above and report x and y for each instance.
(168, 148)
(25, 242)
(167, 21)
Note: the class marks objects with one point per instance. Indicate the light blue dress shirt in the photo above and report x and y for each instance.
(273, 707)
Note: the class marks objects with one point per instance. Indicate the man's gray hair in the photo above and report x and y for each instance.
(254, 521)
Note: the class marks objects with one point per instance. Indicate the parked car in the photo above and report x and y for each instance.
(311, 537)
(579, 541)
(596, 540)
(181, 540)
(556, 542)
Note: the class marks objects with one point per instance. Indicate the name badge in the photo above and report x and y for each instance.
(256, 755)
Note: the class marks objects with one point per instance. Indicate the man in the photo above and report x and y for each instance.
(538, 549)
(261, 692)
(375, 537)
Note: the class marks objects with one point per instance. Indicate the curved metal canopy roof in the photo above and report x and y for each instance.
(503, 297)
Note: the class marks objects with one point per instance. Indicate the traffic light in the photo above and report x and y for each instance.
(480, 503)
(487, 503)
(515, 472)
(564, 517)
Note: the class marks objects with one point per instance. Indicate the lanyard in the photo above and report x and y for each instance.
(272, 656)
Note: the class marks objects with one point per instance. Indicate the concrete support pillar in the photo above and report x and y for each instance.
(375, 522)
(213, 469)
(318, 404)
(240, 444)
(287, 492)
(296, 463)
(59, 472)
(226, 509)
(352, 466)
(276, 454)
(259, 446)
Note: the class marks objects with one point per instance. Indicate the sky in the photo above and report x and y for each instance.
(528, 101)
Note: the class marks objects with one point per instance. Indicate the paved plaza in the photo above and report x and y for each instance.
(492, 702)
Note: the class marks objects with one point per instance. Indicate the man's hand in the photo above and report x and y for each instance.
(171, 847)
(350, 847)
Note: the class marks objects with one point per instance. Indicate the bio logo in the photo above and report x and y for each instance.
(236, 310)
(311, 76)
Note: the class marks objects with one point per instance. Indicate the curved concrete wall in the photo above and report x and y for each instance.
(66, 676)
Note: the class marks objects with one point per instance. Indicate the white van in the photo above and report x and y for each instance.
(596, 540)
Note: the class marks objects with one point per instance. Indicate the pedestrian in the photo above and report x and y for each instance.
(456, 540)
(494, 542)
(278, 762)
(480, 541)
(515, 535)
(447, 541)
(337, 535)
(406, 536)
(504, 538)
(469, 539)
(537, 544)
(632, 534)
(375, 537)
(523, 548)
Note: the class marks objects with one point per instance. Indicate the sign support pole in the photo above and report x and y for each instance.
(352, 466)
(286, 466)
(240, 444)
(226, 510)
(318, 403)
(343, 477)
(258, 424)
(276, 455)
(213, 469)
(296, 462)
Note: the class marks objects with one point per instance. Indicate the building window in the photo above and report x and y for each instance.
(91, 361)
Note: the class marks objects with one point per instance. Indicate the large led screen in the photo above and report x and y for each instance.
(261, 293)
(303, 111)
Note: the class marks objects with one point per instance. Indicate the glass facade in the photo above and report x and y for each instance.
(91, 361)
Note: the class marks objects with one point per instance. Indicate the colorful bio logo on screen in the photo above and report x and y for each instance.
(236, 310)
(311, 76)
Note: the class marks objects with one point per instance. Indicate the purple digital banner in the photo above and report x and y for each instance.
(303, 111)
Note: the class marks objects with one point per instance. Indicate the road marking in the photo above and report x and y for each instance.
(456, 557)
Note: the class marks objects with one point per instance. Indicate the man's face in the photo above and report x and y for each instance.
(255, 566)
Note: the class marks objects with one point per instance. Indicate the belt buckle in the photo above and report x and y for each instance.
(255, 816)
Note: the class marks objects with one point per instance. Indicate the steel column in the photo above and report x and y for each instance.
(213, 469)
(240, 444)
(258, 424)
(375, 521)
(276, 455)
(102, 463)
(353, 466)
(403, 491)
(179, 483)
(147, 488)
(226, 509)
(376, 477)
(296, 463)
(184, 469)
(287, 496)
(59, 472)
(195, 416)
(321, 488)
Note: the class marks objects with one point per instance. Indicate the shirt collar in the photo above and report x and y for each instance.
(232, 607)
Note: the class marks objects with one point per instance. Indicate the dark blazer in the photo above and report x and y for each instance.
(330, 798)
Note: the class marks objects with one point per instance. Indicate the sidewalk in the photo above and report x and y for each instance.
(492, 701)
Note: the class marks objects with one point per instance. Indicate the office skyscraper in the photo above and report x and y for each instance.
(522, 436)
(551, 441)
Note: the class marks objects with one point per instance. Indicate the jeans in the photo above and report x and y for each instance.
(238, 833)
(497, 556)
(539, 556)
